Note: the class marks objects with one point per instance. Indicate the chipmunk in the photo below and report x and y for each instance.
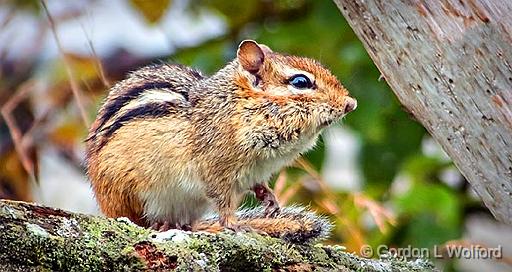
(169, 143)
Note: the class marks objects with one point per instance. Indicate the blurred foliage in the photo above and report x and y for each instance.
(421, 211)
(151, 10)
(32, 5)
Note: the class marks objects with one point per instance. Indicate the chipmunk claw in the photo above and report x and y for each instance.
(271, 208)
(161, 226)
(166, 225)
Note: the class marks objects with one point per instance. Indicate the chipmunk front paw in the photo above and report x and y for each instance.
(268, 200)
(271, 207)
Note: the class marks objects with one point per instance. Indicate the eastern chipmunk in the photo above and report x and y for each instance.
(169, 143)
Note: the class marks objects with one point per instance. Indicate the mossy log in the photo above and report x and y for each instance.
(37, 238)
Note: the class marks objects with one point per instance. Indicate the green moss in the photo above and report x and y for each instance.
(55, 240)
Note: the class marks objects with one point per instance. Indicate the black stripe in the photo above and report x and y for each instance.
(147, 110)
(194, 73)
(116, 104)
(183, 93)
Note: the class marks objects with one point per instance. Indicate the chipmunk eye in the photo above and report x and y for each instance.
(300, 81)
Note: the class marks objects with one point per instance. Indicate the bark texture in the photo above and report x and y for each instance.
(449, 63)
(37, 238)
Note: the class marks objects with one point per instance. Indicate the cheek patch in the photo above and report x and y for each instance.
(277, 90)
(293, 90)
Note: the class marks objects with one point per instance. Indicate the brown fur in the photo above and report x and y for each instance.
(221, 135)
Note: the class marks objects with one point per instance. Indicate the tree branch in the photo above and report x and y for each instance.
(35, 238)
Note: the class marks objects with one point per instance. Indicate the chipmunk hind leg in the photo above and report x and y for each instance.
(126, 204)
(174, 207)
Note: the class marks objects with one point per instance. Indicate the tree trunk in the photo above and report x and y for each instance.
(36, 238)
(449, 63)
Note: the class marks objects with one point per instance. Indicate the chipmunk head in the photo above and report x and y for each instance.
(293, 82)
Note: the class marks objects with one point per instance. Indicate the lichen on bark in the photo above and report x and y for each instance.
(37, 238)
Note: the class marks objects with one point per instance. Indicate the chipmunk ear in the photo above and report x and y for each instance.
(251, 55)
(266, 50)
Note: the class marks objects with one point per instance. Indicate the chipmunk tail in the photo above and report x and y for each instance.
(294, 224)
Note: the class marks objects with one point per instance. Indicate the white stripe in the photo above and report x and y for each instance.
(150, 96)
(159, 96)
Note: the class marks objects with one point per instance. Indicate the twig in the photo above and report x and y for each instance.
(280, 183)
(379, 213)
(17, 137)
(77, 93)
(97, 61)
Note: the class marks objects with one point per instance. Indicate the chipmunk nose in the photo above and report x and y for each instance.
(350, 104)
